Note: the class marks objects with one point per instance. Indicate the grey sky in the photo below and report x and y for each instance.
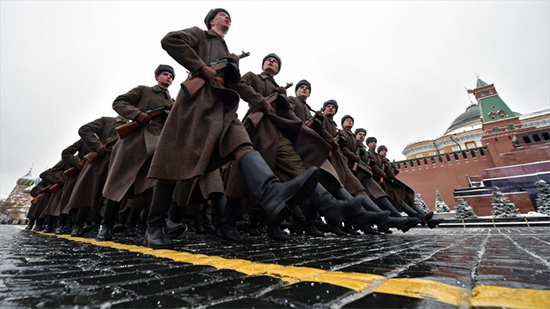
(399, 68)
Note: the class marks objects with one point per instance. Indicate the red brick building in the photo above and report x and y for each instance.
(488, 145)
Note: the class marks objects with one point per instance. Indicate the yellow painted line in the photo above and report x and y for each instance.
(496, 296)
(421, 288)
(481, 296)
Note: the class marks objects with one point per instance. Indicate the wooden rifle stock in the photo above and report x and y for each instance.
(357, 152)
(72, 170)
(192, 86)
(93, 155)
(129, 128)
(54, 187)
(37, 198)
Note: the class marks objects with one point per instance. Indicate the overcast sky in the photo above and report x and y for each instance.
(399, 68)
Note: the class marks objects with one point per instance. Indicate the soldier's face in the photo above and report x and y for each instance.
(382, 153)
(348, 123)
(372, 145)
(221, 21)
(360, 137)
(271, 64)
(330, 110)
(303, 92)
(164, 79)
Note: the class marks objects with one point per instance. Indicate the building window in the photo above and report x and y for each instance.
(456, 148)
(433, 160)
(432, 153)
(536, 137)
(501, 113)
(456, 156)
(510, 127)
(448, 158)
(419, 155)
(440, 159)
(464, 155)
(496, 129)
(546, 136)
(482, 152)
(425, 161)
(492, 115)
(471, 145)
(473, 152)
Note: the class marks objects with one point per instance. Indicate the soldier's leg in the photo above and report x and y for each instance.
(81, 217)
(62, 224)
(156, 220)
(274, 196)
(109, 219)
(385, 204)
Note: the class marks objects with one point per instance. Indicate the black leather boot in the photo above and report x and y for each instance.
(174, 228)
(156, 238)
(39, 225)
(231, 206)
(77, 231)
(105, 232)
(274, 195)
(30, 225)
(50, 227)
(156, 220)
(206, 215)
(434, 222)
(109, 219)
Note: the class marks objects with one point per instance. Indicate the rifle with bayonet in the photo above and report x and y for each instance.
(129, 128)
(192, 86)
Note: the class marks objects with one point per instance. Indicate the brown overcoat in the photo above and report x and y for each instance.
(372, 178)
(36, 205)
(200, 134)
(264, 135)
(69, 157)
(52, 176)
(131, 156)
(340, 162)
(398, 191)
(88, 187)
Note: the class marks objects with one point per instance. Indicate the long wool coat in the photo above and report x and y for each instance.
(340, 162)
(313, 150)
(201, 133)
(88, 187)
(52, 176)
(131, 156)
(69, 157)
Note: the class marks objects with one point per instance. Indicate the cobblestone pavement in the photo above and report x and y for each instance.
(440, 268)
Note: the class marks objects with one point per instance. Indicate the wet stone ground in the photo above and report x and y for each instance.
(46, 271)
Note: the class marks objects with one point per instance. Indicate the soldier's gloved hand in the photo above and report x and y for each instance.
(234, 58)
(267, 107)
(207, 73)
(319, 114)
(281, 90)
(143, 119)
(169, 105)
(79, 166)
(101, 150)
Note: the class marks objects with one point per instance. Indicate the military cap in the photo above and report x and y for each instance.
(380, 148)
(346, 117)
(333, 102)
(273, 55)
(360, 130)
(165, 68)
(302, 82)
(371, 139)
(212, 14)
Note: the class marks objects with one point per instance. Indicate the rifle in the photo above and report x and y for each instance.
(129, 128)
(192, 86)
(258, 115)
(72, 170)
(93, 155)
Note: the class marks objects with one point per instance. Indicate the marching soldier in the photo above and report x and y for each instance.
(131, 156)
(188, 150)
(100, 136)
(401, 194)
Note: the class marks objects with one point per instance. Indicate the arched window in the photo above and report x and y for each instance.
(492, 115)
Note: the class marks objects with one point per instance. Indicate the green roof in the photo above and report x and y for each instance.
(480, 83)
(494, 104)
